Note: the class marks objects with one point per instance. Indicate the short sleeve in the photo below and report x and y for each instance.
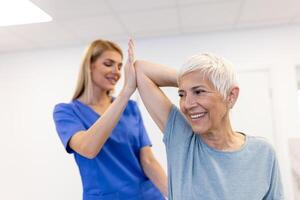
(143, 135)
(275, 191)
(177, 129)
(67, 124)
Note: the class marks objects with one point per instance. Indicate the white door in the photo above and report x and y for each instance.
(252, 113)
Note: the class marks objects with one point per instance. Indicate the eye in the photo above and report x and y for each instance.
(180, 94)
(199, 92)
(108, 64)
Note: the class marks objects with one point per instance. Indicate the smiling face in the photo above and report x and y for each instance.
(106, 70)
(203, 106)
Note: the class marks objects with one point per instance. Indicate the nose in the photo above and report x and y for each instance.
(115, 69)
(189, 102)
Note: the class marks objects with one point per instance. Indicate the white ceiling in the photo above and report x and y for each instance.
(81, 21)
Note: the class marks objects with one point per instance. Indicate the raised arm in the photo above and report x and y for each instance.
(88, 143)
(150, 77)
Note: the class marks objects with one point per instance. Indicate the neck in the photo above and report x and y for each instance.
(100, 100)
(100, 97)
(224, 139)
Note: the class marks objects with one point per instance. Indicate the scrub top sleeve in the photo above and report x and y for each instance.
(67, 124)
(143, 135)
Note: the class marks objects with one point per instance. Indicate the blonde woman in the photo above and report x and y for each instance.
(106, 134)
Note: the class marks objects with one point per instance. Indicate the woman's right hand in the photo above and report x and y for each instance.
(129, 71)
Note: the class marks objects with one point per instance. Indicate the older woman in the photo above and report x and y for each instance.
(207, 159)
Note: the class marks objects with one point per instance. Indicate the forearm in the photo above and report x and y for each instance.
(90, 142)
(160, 75)
(156, 174)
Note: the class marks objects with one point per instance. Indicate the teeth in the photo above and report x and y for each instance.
(113, 80)
(197, 115)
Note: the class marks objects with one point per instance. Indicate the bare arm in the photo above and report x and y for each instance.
(160, 75)
(150, 77)
(88, 143)
(153, 170)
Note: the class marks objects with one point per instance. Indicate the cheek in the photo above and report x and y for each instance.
(181, 105)
(215, 106)
(219, 111)
(94, 76)
(97, 76)
(100, 70)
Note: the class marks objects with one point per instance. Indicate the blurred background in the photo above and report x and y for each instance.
(39, 64)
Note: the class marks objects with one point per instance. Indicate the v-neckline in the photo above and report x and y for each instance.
(90, 108)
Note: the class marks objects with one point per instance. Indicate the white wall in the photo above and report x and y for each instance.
(33, 162)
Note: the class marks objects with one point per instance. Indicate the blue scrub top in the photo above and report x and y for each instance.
(115, 173)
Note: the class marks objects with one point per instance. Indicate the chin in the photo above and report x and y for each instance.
(199, 130)
(110, 87)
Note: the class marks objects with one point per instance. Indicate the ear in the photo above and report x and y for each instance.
(232, 96)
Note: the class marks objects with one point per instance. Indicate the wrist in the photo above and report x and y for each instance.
(125, 93)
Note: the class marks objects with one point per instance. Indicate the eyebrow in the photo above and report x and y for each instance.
(197, 87)
(193, 88)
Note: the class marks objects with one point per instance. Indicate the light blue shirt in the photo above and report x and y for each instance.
(199, 172)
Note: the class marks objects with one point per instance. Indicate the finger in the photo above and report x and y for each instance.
(131, 42)
(131, 53)
(131, 49)
(130, 56)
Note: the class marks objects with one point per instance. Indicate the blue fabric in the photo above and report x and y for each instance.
(115, 173)
(197, 171)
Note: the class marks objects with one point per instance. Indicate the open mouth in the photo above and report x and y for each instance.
(112, 80)
(197, 115)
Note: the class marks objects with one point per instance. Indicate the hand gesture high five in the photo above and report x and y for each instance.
(129, 71)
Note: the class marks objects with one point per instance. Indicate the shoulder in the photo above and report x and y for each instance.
(175, 115)
(261, 144)
(174, 110)
(176, 122)
(64, 108)
(260, 141)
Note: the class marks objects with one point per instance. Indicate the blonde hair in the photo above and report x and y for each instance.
(92, 53)
(216, 69)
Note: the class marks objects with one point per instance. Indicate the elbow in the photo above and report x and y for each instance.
(88, 152)
(90, 155)
(85, 146)
(137, 63)
(138, 66)
(146, 162)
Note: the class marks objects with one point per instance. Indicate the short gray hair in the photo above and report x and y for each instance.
(216, 69)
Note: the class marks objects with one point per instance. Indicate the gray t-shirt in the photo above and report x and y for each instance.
(199, 172)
